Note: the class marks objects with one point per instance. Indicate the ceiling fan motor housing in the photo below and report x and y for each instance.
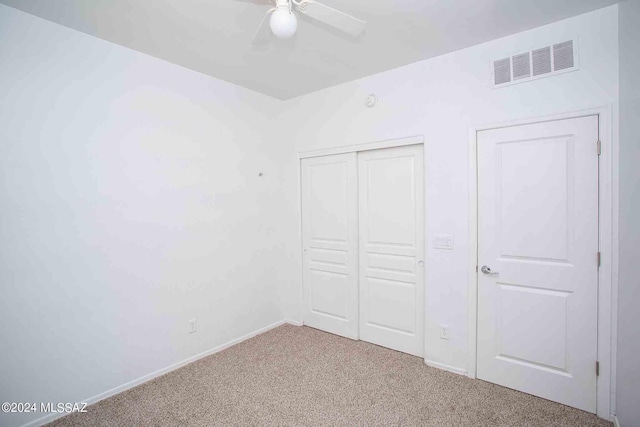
(283, 21)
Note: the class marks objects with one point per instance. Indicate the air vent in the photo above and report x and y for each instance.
(521, 66)
(502, 71)
(563, 56)
(543, 62)
(541, 59)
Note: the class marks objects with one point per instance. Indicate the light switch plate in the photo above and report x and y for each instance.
(443, 241)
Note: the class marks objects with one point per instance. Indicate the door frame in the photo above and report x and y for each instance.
(608, 240)
(355, 148)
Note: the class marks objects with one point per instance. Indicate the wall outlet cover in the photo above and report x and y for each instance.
(444, 332)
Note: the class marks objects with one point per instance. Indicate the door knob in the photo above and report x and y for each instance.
(421, 263)
(487, 270)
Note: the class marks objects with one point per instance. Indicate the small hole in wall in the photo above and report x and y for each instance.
(260, 174)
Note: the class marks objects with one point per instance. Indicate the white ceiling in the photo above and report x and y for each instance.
(214, 36)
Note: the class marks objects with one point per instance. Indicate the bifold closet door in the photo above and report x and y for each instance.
(391, 224)
(330, 243)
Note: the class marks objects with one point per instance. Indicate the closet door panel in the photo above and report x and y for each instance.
(391, 224)
(330, 243)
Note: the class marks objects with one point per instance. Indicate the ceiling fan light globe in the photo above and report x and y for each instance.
(283, 23)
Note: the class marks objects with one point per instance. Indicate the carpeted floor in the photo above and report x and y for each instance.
(304, 377)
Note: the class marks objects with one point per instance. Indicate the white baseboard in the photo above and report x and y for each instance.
(616, 423)
(159, 372)
(444, 367)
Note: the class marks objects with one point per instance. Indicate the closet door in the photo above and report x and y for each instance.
(391, 216)
(330, 243)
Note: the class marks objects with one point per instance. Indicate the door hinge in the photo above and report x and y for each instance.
(597, 368)
(476, 268)
(599, 259)
(599, 145)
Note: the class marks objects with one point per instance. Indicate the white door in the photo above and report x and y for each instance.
(538, 245)
(330, 243)
(391, 192)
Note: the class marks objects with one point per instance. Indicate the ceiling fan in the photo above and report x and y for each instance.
(283, 22)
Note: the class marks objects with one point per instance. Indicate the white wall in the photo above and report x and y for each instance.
(130, 202)
(442, 98)
(628, 375)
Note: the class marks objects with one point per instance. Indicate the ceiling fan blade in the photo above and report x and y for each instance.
(263, 34)
(332, 17)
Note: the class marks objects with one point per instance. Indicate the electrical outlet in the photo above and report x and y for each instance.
(444, 332)
(193, 326)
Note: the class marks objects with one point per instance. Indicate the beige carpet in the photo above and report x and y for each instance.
(298, 376)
